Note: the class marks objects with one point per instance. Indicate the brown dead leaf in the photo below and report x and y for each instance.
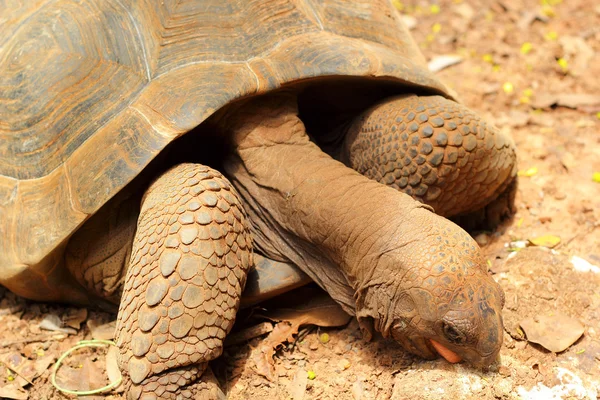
(248, 334)
(87, 377)
(568, 161)
(526, 19)
(13, 391)
(544, 100)
(578, 100)
(263, 356)
(91, 376)
(8, 306)
(68, 378)
(297, 387)
(489, 87)
(555, 333)
(570, 100)
(513, 119)
(23, 368)
(74, 317)
(112, 365)
(576, 49)
(102, 330)
(41, 364)
(319, 310)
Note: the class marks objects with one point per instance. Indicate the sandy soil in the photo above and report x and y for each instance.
(531, 68)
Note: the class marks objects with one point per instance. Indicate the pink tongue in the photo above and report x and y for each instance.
(448, 354)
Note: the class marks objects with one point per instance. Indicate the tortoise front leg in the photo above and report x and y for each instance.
(189, 261)
(435, 150)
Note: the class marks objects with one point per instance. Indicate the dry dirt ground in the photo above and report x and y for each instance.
(531, 68)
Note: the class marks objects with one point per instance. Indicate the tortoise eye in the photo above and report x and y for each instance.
(452, 334)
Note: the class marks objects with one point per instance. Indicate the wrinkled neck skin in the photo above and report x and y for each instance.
(302, 201)
(371, 247)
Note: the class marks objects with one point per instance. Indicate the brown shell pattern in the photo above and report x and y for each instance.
(93, 90)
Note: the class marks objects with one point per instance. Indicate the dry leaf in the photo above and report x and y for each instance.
(8, 307)
(74, 317)
(23, 368)
(319, 310)
(556, 333)
(101, 330)
(570, 100)
(441, 62)
(68, 378)
(41, 364)
(549, 241)
(263, 355)
(544, 100)
(358, 390)
(52, 322)
(578, 51)
(578, 100)
(514, 119)
(87, 377)
(13, 392)
(297, 388)
(568, 161)
(247, 334)
(91, 376)
(526, 19)
(112, 365)
(489, 87)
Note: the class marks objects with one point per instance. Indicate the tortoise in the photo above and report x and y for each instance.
(153, 153)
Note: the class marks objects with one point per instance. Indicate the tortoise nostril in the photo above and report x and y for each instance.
(452, 334)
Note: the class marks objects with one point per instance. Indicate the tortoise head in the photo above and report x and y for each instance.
(440, 301)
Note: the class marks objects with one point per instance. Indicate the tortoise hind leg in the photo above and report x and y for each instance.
(190, 256)
(97, 254)
(433, 149)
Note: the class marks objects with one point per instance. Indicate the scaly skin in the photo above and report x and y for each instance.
(433, 149)
(189, 261)
(400, 268)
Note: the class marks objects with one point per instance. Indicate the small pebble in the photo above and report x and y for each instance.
(344, 364)
(357, 390)
(482, 239)
(313, 346)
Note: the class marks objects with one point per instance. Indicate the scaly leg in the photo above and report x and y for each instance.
(433, 149)
(188, 267)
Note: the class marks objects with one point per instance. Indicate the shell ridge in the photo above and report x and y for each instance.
(139, 39)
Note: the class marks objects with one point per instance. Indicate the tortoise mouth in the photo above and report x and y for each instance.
(445, 352)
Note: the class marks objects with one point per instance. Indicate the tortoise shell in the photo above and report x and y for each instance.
(93, 90)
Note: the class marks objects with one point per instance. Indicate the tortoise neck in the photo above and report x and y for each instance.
(307, 207)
